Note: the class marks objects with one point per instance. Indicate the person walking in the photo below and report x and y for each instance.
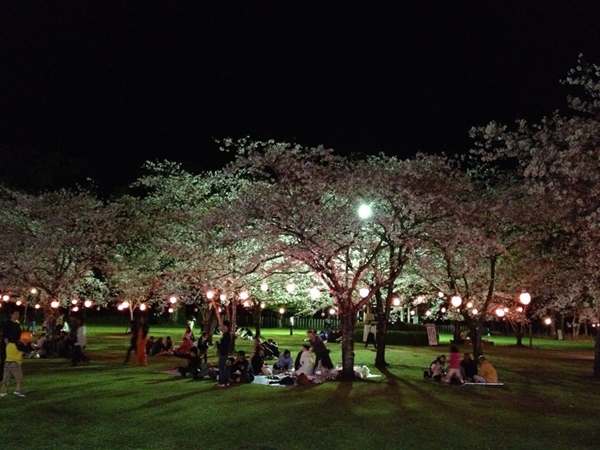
(133, 329)
(140, 345)
(371, 335)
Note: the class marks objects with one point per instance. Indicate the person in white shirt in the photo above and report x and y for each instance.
(306, 365)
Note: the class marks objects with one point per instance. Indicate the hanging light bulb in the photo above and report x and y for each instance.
(143, 307)
(396, 301)
(172, 299)
(363, 292)
(54, 304)
(456, 300)
(290, 287)
(210, 295)
(500, 312)
(264, 287)
(223, 297)
(244, 295)
(525, 298)
(314, 292)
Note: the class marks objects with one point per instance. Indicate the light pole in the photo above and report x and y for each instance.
(525, 299)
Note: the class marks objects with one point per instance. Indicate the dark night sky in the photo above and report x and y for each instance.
(92, 89)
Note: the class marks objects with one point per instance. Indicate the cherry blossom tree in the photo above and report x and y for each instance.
(558, 160)
(56, 242)
(304, 202)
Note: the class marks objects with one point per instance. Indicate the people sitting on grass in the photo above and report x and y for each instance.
(149, 344)
(188, 334)
(258, 363)
(193, 363)
(305, 363)
(40, 348)
(487, 373)
(284, 363)
(160, 349)
(184, 348)
(241, 369)
(436, 369)
(454, 373)
(169, 345)
(271, 349)
(468, 367)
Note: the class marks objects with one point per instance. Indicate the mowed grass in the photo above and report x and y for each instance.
(550, 401)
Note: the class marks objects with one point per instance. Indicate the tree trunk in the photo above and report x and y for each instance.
(257, 313)
(383, 318)
(476, 334)
(597, 357)
(456, 325)
(520, 332)
(347, 316)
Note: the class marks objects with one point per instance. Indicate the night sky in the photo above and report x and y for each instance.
(93, 89)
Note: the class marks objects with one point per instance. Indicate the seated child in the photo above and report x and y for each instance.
(193, 365)
(241, 370)
(284, 363)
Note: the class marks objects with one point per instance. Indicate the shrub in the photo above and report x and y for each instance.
(395, 337)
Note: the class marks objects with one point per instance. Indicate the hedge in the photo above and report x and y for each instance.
(398, 337)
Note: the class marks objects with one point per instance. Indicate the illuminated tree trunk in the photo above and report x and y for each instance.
(348, 319)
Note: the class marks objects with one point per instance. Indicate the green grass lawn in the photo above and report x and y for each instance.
(549, 401)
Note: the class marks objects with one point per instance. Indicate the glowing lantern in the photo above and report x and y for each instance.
(443, 310)
(143, 307)
(548, 321)
(223, 297)
(525, 298)
(37, 306)
(74, 301)
(412, 313)
(120, 307)
(33, 291)
(125, 304)
(210, 295)
(363, 292)
(18, 303)
(263, 305)
(54, 304)
(469, 304)
(427, 313)
(264, 287)
(172, 299)
(246, 304)
(441, 294)
(75, 309)
(332, 311)
(456, 301)
(281, 310)
(520, 309)
(474, 311)
(500, 312)
(170, 310)
(291, 287)
(244, 295)
(5, 297)
(87, 303)
(396, 301)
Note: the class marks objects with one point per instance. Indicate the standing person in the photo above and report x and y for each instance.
(11, 332)
(454, 366)
(12, 367)
(321, 352)
(140, 345)
(80, 343)
(133, 327)
(223, 347)
(371, 335)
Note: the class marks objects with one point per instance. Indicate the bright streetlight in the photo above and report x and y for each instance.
(365, 211)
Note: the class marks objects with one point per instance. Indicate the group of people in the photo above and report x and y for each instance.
(461, 371)
(144, 346)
